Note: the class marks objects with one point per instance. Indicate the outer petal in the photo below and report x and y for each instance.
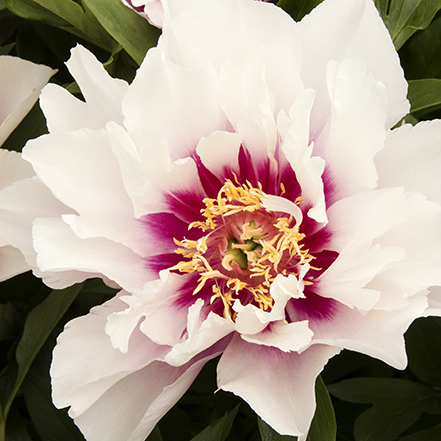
(420, 238)
(366, 216)
(59, 249)
(339, 29)
(179, 104)
(12, 169)
(355, 130)
(103, 95)
(434, 299)
(163, 320)
(12, 262)
(78, 344)
(279, 386)
(115, 396)
(20, 204)
(229, 29)
(357, 264)
(378, 334)
(412, 159)
(20, 86)
(81, 163)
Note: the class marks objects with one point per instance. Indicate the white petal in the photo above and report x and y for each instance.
(285, 336)
(434, 300)
(12, 262)
(142, 398)
(412, 159)
(162, 320)
(298, 151)
(149, 176)
(60, 249)
(204, 334)
(218, 30)
(20, 204)
(279, 386)
(219, 153)
(340, 29)
(84, 357)
(357, 264)
(103, 95)
(378, 334)
(278, 203)
(81, 163)
(252, 320)
(112, 395)
(366, 216)
(420, 237)
(13, 168)
(356, 128)
(179, 104)
(249, 104)
(20, 86)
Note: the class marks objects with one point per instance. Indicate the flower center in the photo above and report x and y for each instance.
(243, 248)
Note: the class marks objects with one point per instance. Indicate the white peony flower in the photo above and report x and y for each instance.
(20, 84)
(248, 195)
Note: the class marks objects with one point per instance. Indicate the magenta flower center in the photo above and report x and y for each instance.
(243, 247)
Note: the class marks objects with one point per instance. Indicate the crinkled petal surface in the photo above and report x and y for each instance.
(115, 395)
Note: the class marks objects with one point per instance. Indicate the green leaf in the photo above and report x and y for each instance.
(128, 28)
(155, 435)
(433, 434)
(81, 19)
(30, 10)
(404, 17)
(9, 316)
(420, 58)
(38, 325)
(32, 126)
(64, 14)
(51, 424)
(297, 9)
(424, 95)
(397, 404)
(323, 425)
(4, 50)
(269, 434)
(423, 343)
(219, 430)
(121, 65)
(17, 429)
